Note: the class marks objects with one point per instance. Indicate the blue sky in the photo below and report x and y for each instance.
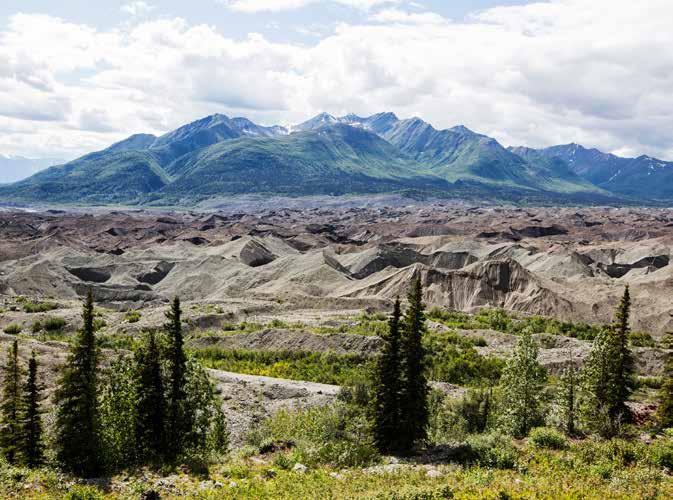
(77, 75)
(279, 26)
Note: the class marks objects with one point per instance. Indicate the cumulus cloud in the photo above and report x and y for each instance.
(599, 73)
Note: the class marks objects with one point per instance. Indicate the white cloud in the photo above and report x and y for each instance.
(598, 73)
(137, 8)
(391, 16)
(278, 5)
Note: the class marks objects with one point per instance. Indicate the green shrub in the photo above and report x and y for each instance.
(53, 324)
(546, 438)
(37, 307)
(452, 419)
(660, 454)
(650, 382)
(642, 339)
(83, 492)
(12, 329)
(335, 435)
(36, 327)
(493, 450)
(99, 323)
(132, 316)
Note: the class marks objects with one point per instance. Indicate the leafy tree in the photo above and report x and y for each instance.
(178, 416)
(10, 438)
(32, 447)
(566, 399)
(665, 410)
(77, 423)
(151, 411)
(414, 394)
(599, 384)
(387, 385)
(118, 410)
(624, 377)
(522, 383)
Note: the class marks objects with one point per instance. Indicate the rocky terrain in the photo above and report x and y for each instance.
(307, 265)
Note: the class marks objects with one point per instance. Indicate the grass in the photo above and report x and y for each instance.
(132, 316)
(12, 329)
(38, 307)
(325, 368)
(585, 470)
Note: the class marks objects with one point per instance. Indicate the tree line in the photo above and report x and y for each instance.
(154, 407)
(593, 398)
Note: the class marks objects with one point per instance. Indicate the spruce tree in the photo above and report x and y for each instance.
(178, 416)
(665, 410)
(150, 416)
(414, 394)
(624, 377)
(77, 419)
(600, 385)
(566, 400)
(10, 437)
(32, 451)
(522, 382)
(387, 386)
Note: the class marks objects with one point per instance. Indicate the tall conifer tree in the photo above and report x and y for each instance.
(387, 386)
(665, 410)
(414, 399)
(32, 451)
(151, 407)
(10, 436)
(77, 419)
(178, 420)
(624, 377)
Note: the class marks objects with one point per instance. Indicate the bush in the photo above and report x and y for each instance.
(660, 454)
(132, 316)
(12, 329)
(493, 450)
(642, 339)
(53, 324)
(545, 438)
(37, 307)
(452, 419)
(82, 492)
(36, 327)
(336, 435)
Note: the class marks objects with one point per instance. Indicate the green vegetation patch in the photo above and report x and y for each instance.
(325, 368)
(502, 321)
(38, 307)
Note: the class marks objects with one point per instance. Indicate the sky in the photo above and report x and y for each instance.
(77, 75)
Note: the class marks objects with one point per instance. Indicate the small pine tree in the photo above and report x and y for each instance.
(414, 395)
(77, 419)
(566, 399)
(624, 377)
(599, 385)
(10, 442)
(387, 386)
(522, 382)
(665, 410)
(32, 451)
(150, 416)
(178, 416)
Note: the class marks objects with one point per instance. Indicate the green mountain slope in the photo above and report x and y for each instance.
(115, 177)
(334, 159)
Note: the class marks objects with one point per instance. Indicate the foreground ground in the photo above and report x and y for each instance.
(286, 306)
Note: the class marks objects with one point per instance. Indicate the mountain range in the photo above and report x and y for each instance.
(218, 156)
